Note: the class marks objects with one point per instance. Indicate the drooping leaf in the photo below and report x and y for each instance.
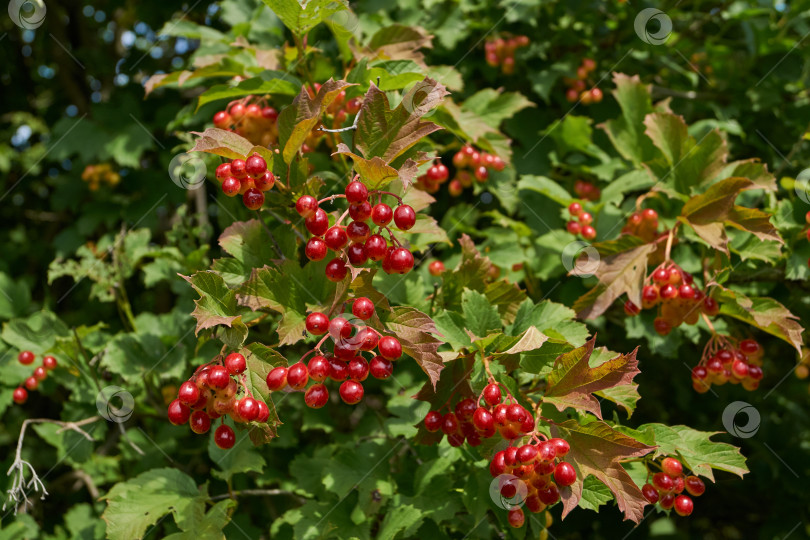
(596, 450)
(395, 42)
(228, 145)
(764, 313)
(627, 132)
(388, 133)
(573, 381)
(416, 332)
(618, 274)
(298, 119)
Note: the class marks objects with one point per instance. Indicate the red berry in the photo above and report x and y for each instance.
(340, 328)
(483, 420)
(749, 347)
(376, 247)
(404, 217)
(306, 205)
(357, 254)
(317, 323)
(237, 111)
(338, 370)
(686, 291)
(256, 166)
(650, 493)
(218, 377)
(596, 95)
(318, 368)
(20, 396)
(740, 369)
(710, 306)
(200, 422)
(381, 214)
(249, 408)
(481, 173)
(363, 308)
(238, 169)
(235, 363)
(574, 208)
(672, 467)
(224, 437)
(573, 227)
(630, 309)
(297, 376)
(231, 186)
(663, 482)
(264, 412)
(188, 394)
(516, 517)
(317, 396)
(49, 363)
(277, 378)
(336, 270)
(223, 171)
(336, 238)
(390, 348)
(585, 218)
(358, 231)
(684, 505)
(401, 261)
(754, 372)
(269, 113)
(178, 413)
(492, 394)
(433, 421)
(316, 248)
(561, 446)
(449, 424)
(436, 268)
(358, 369)
(588, 232)
(26, 358)
(360, 211)
(265, 182)
(356, 192)
(564, 474)
(527, 454)
(222, 119)
(694, 486)
(40, 373)
(318, 223)
(351, 392)
(380, 368)
(648, 214)
(253, 199)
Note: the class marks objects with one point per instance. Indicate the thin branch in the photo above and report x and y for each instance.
(256, 492)
(17, 492)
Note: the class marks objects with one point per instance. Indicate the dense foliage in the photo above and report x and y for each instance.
(417, 269)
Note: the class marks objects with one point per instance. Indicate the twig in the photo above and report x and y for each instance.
(341, 130)
(132, 444)
(17, 470)
(258, 492)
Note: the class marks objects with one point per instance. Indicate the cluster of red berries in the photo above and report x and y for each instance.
(501, 52)
(247, 177)
(472, 422)
(26, 358)
(582, 225)
(214, 391)
(723, 362)
(346, 364)
(587, 190)
(538, 467)
(254, 121)
(667, 487)
(673, 292)
(355, 243)
(577, 88)
(643, 224)
(436, 175)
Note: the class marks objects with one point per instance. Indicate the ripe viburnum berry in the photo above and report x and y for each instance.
(404, 217)
(363, 308)
(390, 348)
(224, 437)
(306, 205)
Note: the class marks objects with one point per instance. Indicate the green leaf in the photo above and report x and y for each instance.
(301, 17)
(37, 333)
(15, 297)
(696, 449)
(627, 132)
(241, 458)
(135, 505)
(267, 82)
(388, 133)
(224, 143)
(547, 187)
(594, 494)
(298, 119)
(597, 450)
(493, 107)
(481, 318)
(247, 242)
(261, 359)
(217, 308)
(573, 381)
(209, 525)
(375, 173)
(555, 320)
(451, 325)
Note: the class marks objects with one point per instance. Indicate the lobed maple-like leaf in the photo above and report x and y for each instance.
(572, 382)
(298, 119)
(627, 132)
(247, 242)
(388, 133)
(301, 16)
(622, 273)
(395, 42)
(597, 450)
(217, 308)
(471, 272)
(416, 332)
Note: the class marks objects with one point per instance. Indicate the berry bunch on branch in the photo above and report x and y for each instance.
(501, 52)
(725, 360)
(666, 486)
(40, 373)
